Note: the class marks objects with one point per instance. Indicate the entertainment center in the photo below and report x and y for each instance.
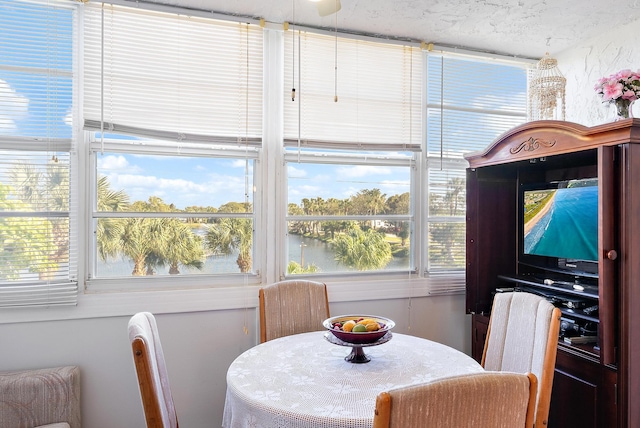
(553, 208)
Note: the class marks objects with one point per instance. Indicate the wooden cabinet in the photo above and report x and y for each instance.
(584, 392)
(596, 384)
(480, 326)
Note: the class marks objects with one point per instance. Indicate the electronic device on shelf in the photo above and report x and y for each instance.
(578, 340)
(568, 327)
(591, 310)
(558, 227)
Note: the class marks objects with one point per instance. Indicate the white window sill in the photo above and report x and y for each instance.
(102, 305)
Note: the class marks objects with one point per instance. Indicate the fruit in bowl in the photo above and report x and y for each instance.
(358, 329)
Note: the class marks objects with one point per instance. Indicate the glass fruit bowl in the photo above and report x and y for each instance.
(336, 324)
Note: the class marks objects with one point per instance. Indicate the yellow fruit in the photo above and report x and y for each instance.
(348, 326)
(373, 326)
(359, 328)
(366, 321)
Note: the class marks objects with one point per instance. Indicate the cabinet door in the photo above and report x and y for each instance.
(583, 394)
(480, 326)
(629, 285)
(608, 250)
(491, 243)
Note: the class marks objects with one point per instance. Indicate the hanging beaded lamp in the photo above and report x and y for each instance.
(546, 91)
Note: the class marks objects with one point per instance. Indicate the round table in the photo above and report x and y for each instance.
(304, 381)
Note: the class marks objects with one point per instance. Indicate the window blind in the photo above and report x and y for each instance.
(470, 102)
(378, 88)
(172, 76)
(38, 253)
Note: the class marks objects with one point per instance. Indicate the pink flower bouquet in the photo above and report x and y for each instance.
(625, 84)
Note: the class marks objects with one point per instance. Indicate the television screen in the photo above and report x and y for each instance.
(562, 222)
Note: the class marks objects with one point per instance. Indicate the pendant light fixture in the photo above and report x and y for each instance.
(547, 91)
(327, 7)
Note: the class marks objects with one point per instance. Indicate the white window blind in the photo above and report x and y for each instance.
(378, 88)
(38, 254)
(172, 76)
(470, 102)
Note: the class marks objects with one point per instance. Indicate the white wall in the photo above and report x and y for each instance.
(198, 347)
(595, 58)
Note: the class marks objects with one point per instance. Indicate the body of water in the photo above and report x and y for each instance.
(300, 249)
(570, 228)
(320, 253)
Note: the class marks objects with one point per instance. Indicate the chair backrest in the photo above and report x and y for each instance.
(153, 380)
(487, 399)
(292, 307)
(523, 337)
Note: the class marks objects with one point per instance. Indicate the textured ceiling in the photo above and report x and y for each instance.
(525, 28)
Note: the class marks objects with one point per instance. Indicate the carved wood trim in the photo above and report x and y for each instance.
(531, 144)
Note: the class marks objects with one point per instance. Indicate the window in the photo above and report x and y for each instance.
(349, 216)
(176, 179)
(469, 103)
(37, 171)
(351, 139)
(173, 106)
(172, 214)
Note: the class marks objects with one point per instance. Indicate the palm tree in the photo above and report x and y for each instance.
(148, 242)
(108, 231)
(183, 247)
(294, 268)
(399, 204)
(377, 201)
(362, 250)
(455, 189)
(22, 240)
(232, 234)
(139, 242)
(46, 191)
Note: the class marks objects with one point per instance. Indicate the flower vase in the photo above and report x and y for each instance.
(623, 109)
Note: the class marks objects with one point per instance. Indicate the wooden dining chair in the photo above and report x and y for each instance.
(153, 380)
(292, 307)
(523, 337)
(487, 399)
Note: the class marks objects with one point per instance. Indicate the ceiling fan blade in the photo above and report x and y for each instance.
(327, 7)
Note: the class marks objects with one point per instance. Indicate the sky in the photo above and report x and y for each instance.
(199, 181)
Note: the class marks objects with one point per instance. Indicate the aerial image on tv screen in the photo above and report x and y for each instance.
(562, 222)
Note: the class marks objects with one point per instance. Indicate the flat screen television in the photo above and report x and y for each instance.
(559, 225)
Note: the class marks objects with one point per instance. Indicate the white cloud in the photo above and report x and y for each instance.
(68, 118)
(238, 163)
(181, 192)
(296, 172)
(13, 107)
(115, 163)
(306, 191)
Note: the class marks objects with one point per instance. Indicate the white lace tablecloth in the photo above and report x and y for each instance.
(304, 381)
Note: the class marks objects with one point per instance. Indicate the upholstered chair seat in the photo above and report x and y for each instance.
(489, 399)
(292, 307)
(523, 337)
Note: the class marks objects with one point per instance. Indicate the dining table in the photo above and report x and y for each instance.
(307, 380)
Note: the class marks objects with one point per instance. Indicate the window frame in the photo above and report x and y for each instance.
(349, 158)
(162, 282)
(62, 288)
